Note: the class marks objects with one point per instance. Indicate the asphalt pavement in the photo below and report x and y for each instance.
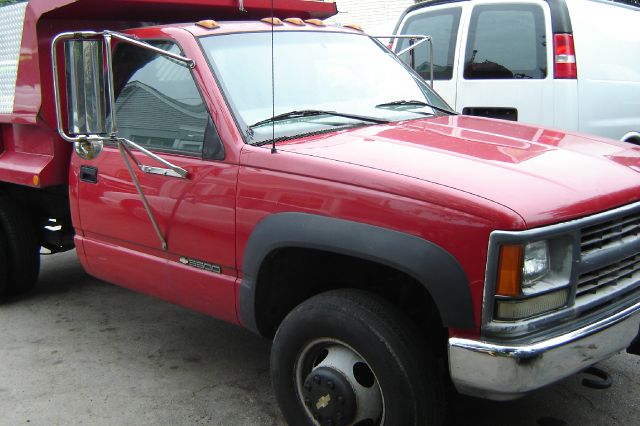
(78, 351)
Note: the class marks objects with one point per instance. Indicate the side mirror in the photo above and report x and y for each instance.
(89, 85)
(86, 94)
(89, 91)
(86, 88)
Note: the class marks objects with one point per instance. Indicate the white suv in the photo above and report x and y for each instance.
(570, 64)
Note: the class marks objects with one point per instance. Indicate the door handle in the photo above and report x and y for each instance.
(89, 174)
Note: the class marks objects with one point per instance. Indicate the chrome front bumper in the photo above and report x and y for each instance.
(501, 372)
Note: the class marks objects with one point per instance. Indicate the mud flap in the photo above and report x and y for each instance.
(634, 348)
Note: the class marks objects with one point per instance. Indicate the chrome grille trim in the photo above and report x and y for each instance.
(609, 262)
(618, 274)
(606, 234)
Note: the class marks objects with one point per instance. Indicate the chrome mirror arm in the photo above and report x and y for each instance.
(126, 154)
(189, 63)
(412, 38)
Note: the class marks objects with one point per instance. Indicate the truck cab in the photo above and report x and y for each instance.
(300, 181)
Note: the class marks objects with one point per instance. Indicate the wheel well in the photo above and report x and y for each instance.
(289, 276)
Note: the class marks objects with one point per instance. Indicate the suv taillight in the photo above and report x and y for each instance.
(564, 56)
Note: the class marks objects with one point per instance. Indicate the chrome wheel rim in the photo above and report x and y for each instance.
(337, 386)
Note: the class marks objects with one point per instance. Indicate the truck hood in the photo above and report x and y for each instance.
(543, 175)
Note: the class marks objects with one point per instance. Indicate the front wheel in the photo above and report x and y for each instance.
(347, 357)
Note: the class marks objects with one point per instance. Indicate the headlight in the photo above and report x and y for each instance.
(533, 278)
(536, 263)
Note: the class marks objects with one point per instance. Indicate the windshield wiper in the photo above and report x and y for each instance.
(403, 103)
(315, 112)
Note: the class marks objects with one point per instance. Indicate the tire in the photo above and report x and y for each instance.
(22, 248)
(4, 273)
(349, 357)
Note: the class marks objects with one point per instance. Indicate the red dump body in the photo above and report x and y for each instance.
(32, 153)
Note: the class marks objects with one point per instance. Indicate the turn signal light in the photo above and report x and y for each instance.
(295, 21)
(273, 21)
(564, 57)
(316, 22)
(509, 270)
(208, 23)
(354, 27)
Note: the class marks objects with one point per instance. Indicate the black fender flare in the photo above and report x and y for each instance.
(435, 268)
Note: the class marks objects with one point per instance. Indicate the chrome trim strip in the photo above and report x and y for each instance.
(176, 171)
(158, 171)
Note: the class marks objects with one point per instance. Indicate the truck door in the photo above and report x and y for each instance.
(158, 105)
(504, 70)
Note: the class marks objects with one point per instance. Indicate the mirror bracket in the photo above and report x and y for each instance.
(88, 149)
(412, 45)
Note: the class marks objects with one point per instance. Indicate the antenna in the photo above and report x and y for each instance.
(273, 89)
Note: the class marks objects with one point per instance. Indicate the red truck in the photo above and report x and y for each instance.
(299, 180)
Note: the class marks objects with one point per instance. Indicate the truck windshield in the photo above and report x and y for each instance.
(345, 79)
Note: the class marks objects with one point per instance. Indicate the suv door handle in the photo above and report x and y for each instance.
(89, 174)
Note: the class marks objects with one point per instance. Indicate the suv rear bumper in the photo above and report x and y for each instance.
(499, 372)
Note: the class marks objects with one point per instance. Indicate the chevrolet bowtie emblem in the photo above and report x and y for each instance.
(323, 401)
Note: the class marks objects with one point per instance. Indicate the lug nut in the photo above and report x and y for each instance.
(317, 380)
(339, 415)
(331, 384)
(340, 399)
(307, 386)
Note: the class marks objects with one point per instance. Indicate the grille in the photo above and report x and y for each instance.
(610, 233)
(621, 274)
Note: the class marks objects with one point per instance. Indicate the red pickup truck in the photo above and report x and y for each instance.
(299, 180)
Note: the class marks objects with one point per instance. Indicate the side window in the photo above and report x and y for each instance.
(506, 41)
(158, 104)
(442, 26)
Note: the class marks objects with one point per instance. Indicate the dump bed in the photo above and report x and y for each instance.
(31, 151)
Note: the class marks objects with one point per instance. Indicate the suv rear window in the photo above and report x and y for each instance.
(442, 26)
(506, 41)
